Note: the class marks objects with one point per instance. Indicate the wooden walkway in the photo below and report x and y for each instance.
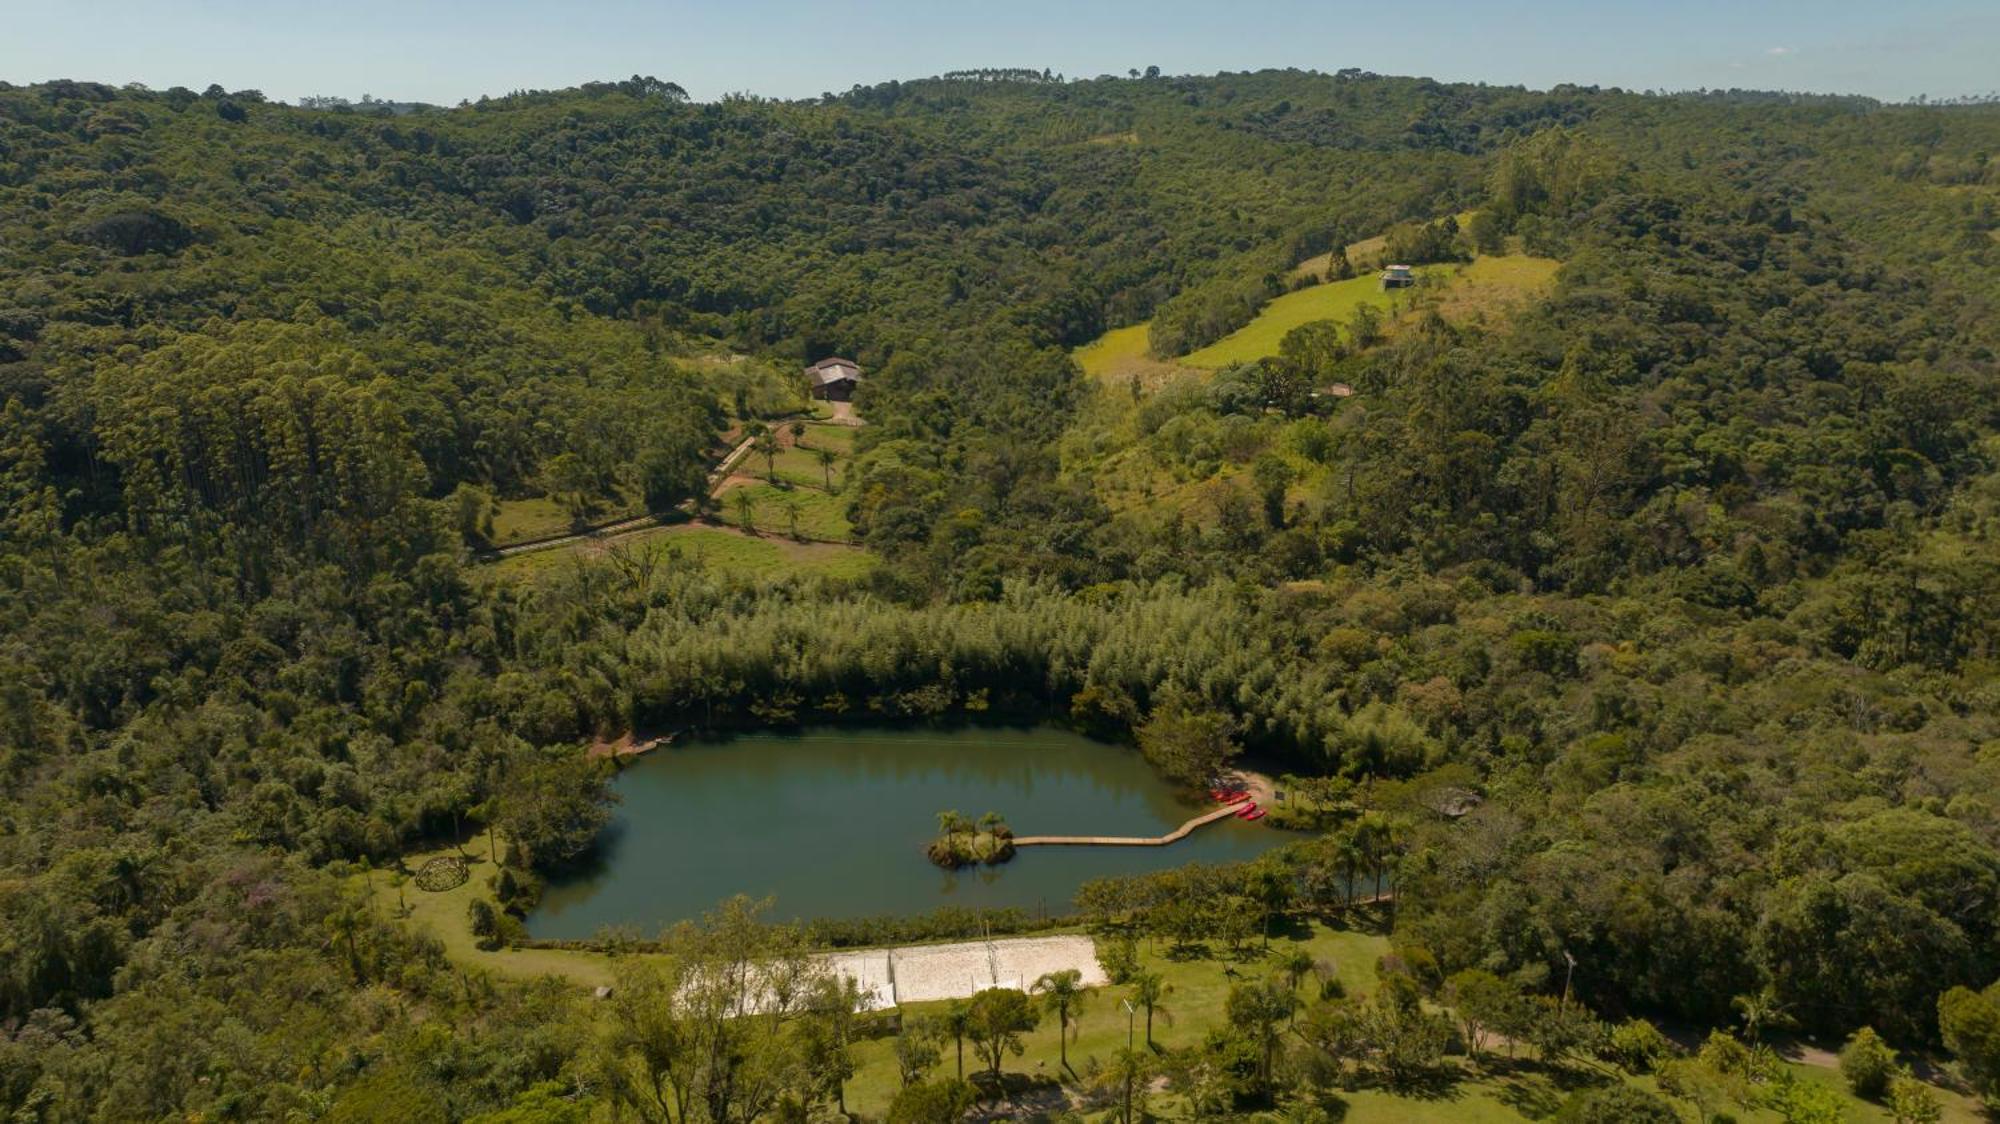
(1173, 836)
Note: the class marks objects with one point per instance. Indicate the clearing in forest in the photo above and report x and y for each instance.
(1334, 300)
(721, 549)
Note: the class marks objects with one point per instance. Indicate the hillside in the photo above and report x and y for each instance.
(1633, 619)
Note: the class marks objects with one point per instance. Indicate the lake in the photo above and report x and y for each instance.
(832, 823)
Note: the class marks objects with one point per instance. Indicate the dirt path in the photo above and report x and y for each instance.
(720, 479)
(601, 531)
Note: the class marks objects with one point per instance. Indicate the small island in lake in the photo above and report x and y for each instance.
(962, 842)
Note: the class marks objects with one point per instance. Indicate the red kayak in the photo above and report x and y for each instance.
(1236, 797)
(1249, 812)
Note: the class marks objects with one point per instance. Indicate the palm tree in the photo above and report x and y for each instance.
(1760, 1010)
(1296, 965)
(956, 1017)
(826, 459)
(746, 510)
(1062, 992)
(792, 509)
(767, 447)
(1148, 989)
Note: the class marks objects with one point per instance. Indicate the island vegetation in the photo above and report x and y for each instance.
(962, 842)
(1635, 634)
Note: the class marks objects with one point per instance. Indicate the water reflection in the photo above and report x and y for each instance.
(832, 823)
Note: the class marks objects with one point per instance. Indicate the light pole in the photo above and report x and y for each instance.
(1130, 1012)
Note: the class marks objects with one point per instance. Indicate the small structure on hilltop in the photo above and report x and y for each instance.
(833, 380)
(1398, 277)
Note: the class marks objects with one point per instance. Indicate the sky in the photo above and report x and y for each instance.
(444, 51)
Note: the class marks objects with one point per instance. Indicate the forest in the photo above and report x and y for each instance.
(1688, 570)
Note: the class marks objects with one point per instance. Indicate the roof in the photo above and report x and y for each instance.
(1395, 269)
(825, 375)
(835, 361)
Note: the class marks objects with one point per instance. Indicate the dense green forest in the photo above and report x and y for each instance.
(1690, 570)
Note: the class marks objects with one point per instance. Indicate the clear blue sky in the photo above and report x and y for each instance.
(445, 50)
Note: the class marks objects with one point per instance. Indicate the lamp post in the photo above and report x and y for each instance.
(1130, 1012)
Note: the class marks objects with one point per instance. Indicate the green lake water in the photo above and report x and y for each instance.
(832, 823)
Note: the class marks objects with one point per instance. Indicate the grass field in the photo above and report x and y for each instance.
(820, 516)
(722, 549)
(539, 517)
(1335, 300)
(825, 435)
(1119, 355)
(1496, 287)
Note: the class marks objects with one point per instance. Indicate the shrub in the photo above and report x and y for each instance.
(1638, 1046)
(485, 923)
(932, 1102)
(1867, 1064)
(1618, 1104)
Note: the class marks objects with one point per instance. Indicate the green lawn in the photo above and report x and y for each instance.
(800, 466)
(1335, 300)
(824, 435)
(820, 516)
(539, 517)
(1107, 353)
(721, 549)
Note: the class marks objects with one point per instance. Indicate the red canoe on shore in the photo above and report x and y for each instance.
(1249, 812)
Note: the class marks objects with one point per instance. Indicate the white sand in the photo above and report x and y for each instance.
(921, 973)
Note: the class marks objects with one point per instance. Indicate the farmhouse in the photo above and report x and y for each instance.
(834, 379)
(1397, 277)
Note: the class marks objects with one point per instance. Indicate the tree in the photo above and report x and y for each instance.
(1759, 1010)
(1867, 1064)
(1969, 1022)
(957, 1021)
(1190, 746)
(552, 807)
(919, 1047)
(1062, 992)
(1258, 1009)
(1148, 991)
(765, 443)
(832, 1002)
(826, 458)
(1484, 1003)
(995, 1020)
(572, 482)
(746, 509)
(1364, 327)
(1486, 233)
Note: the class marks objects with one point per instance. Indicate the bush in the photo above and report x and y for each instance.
(485, 923)
(1867, 1064)
(1638, 1046)
(932, 1102)
(1619, 1104)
